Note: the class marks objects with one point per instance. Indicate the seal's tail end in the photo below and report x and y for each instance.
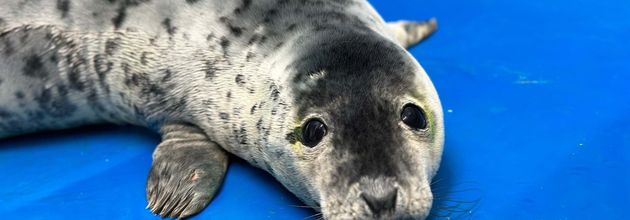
(410, 33)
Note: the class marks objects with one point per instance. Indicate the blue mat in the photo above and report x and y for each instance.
(536, 102)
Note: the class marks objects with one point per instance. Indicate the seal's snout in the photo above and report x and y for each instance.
(379, 195)
(381, 203)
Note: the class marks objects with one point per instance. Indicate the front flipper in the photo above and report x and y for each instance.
(409, 33)
(187, 171)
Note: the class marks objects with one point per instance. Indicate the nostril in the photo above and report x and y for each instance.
(381, 204)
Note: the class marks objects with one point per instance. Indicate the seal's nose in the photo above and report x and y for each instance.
(381, 204)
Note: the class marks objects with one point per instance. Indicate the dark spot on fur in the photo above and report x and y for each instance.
(128, 74)
(291, 27)
(74, 75)
(275, 94)
(210, 70)
(253, 109)
(192, 1)
(278, 45)
(135, 79)
(320, 28)
(75, 80)
(259, 125)
(19, 95)
(102, 68)
(242, 136)
(225, 43)
(49, 36)
(37, 115)
(143, 58)
(207, 102)
(236, 31)
(1, 81)
(228, 95)
(168, 75)
(270, 15)
(263, 39)
(63, 6)
(121, 12)
(4, 113)
(246, 4)
(240, 79)
(261, 129)
(120, 17)
(253, 39)
(224, 116)
(291, 138)
(34, 67)
(112, 45)
(210, 37)
(62, 90)
(274, 110)
(243, 7)
(152, 89)
(55, 106)
(54, 58)
(168, 26)
(279, 154)
(249, 56)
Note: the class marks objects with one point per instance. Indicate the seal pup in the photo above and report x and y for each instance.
(319, 93)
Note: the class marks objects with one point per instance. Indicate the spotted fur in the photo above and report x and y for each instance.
(240, 76)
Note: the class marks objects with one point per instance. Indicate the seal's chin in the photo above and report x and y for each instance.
(402, 214)
(395, 203)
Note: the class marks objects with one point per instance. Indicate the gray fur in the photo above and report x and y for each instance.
(240, 76)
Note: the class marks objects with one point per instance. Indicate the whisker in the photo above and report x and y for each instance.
(461, 210)
(305, 206)
(455, 208)
(463, 191)
(457, 201)
(438, 188)
(433, 214)
(453, 200)
(313, 216)
(435, 181)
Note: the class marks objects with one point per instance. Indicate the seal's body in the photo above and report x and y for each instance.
(321, 94)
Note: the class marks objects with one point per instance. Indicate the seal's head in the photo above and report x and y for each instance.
(366, 137)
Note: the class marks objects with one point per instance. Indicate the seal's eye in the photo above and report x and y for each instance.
(413, 117)
(313, 132)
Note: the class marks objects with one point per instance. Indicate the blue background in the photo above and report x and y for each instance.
(536, 102)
